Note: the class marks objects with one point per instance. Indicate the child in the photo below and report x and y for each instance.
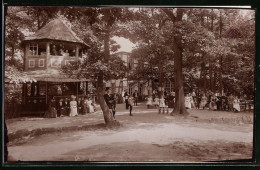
(131, 103)
(161, 104)
(156, 101)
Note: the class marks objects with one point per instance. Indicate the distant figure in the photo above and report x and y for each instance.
(149, 102)
(79, 104)
(66, 54)
(203, 101)
(135, 95)
(224, 102)
(54, 50)
(90, 105)
(230, 102)
(73, 106)
(198, 100)
(85, 108)
(126, 96)
(109, 101)
(188, 101)
(236, 104)
(131, 103)
(213, 104)
(60, 107)
(51, 112)
(161, 104)
(66, 105)
(156, 101)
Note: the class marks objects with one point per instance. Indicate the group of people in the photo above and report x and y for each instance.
(212, 101)
(111, 101)
(156, 102)
(66, 107)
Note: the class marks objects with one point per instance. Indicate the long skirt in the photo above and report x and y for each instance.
(73, 111)
(236, 106)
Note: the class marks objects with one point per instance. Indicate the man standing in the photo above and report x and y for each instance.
(135, 95)
(110, 101)
(126, 96)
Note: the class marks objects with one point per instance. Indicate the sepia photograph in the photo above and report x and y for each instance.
(128, 84)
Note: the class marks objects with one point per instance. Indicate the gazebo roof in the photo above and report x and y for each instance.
(56, 30)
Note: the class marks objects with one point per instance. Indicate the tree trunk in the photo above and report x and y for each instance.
(220, 76)
(211, 76)
(12, 57)
(203, 77)
(108, 117)
(179, 108)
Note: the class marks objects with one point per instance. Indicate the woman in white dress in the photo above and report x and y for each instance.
(236, 105)
(161, 104)
(90, 106)
(188, 101)
(149, 101)
(73, 106)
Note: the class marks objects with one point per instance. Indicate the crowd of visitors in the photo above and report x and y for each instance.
(198, 100)
(65, 107)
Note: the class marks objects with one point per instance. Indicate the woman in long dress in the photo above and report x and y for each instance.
(203, 101)
(73, 106)
(236, 105)
(149, 101)
(90, 106)
(188, 101)
(85, 108)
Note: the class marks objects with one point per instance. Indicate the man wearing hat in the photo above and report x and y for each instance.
(110, 101)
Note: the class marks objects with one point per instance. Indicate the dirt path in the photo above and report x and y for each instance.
(173, 141)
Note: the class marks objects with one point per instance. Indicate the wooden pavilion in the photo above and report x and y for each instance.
(45, 52)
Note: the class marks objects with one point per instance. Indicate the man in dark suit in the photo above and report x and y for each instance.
(126, 96)
(66, 105)
(59, 107)
(110, 101)
(135, 95)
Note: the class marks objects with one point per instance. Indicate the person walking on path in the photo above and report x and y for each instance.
(135, 95)
(131, 103)
(126, 96)
(73, 106)
(149, 102)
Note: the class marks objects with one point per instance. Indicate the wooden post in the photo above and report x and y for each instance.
(46, 92)
(77, 52)
(77, 92)
(47, 54)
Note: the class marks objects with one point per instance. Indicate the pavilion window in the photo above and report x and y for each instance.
(33, 49)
